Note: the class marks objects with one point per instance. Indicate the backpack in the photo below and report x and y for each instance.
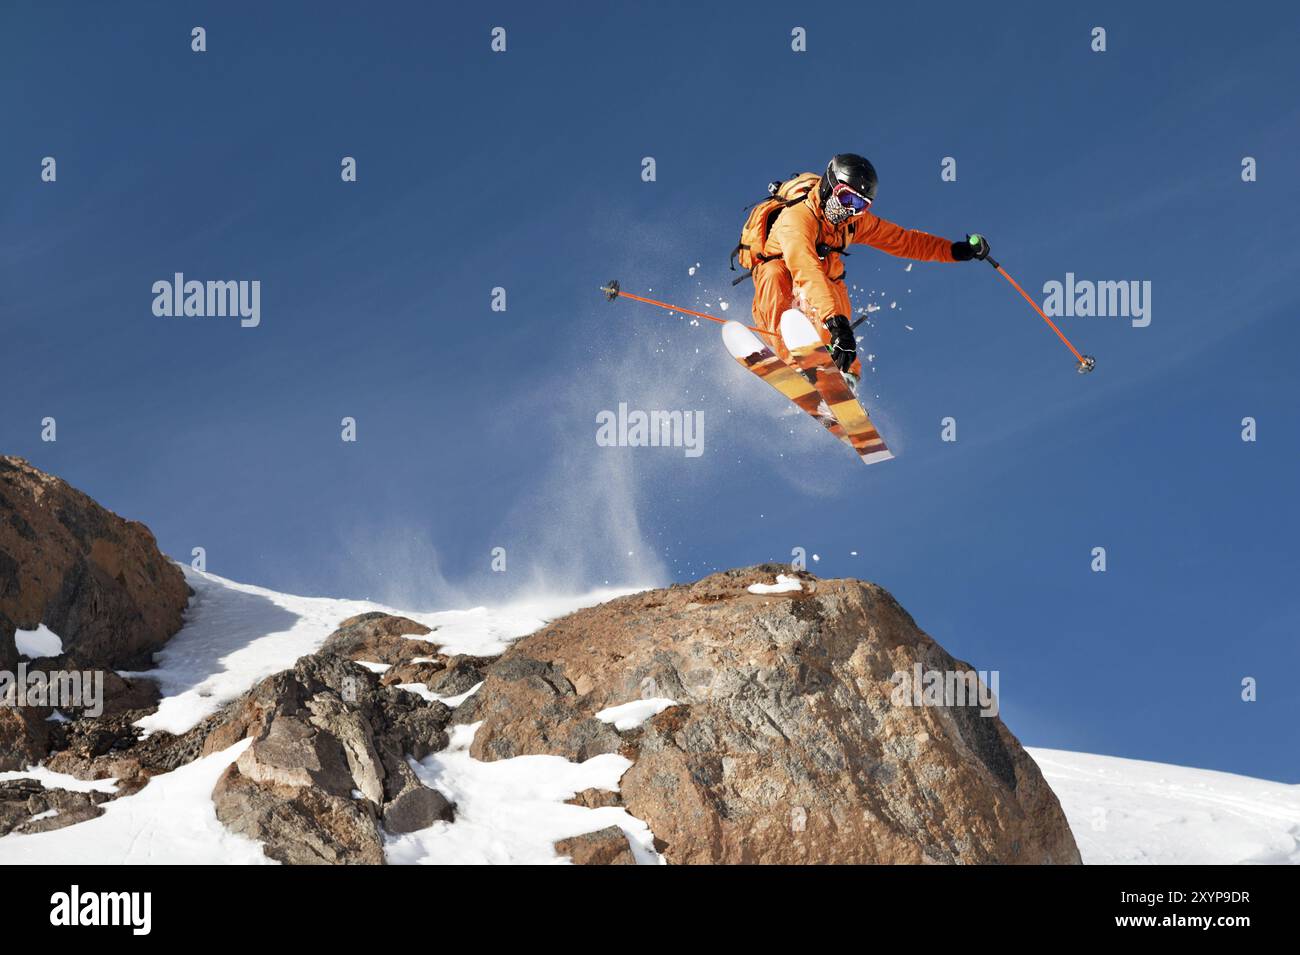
(762, 216)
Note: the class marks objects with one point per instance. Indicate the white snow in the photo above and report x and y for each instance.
(52, 780)
(422, 691)
(628, 716)
(47, 814)
(169, 822)
(783, 585)
(372, 666)
(236, 635)
(41, 642)
(459, 698)
(512, 811)
(1131, 811)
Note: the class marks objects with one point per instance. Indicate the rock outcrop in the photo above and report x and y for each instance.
(327, 771)
(608, 846)
(786, 743)
(96, 580)
(27, 806)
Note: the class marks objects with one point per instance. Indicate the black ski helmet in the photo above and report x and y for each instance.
(854, 171)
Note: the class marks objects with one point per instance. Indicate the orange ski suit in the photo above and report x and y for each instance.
(799, 278)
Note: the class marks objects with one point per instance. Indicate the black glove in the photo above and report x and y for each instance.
(975, 247)
(844, 347)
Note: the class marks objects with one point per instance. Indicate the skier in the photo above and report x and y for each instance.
(793, 243)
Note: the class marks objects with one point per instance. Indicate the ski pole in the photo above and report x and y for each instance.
(612, 291)
(1086, 362)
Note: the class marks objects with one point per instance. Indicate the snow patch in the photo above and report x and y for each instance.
(1127, 811)
(171, 821)
(41, 642)
(512, 811)
(627, 716)
(783, 585)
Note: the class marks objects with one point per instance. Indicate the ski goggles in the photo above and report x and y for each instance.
(850, 199)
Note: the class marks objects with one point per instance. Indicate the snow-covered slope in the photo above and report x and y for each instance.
(238, 634)
(1130, 811)
(1121, 811)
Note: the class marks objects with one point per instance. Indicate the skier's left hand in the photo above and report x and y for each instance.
(975, 247)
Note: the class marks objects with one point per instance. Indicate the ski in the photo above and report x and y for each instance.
(750, 352)
(813, 358)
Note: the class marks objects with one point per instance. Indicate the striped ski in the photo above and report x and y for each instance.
(751, 353)
(814, 359)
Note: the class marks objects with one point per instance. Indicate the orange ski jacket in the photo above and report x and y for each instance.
(800, 232)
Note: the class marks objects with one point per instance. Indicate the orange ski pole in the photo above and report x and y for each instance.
(1086, 362)
(612, 291)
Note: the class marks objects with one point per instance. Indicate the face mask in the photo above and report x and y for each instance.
(843, 202)
(835, 211)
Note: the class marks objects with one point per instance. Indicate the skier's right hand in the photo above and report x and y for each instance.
(844, 346)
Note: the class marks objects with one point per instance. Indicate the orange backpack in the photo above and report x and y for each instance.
(762, 215)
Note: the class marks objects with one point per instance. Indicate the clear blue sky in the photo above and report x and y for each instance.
(522, 170)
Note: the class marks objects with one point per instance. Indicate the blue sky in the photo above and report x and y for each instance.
(522, 170)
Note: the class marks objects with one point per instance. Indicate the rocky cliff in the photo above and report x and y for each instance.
(96, 580)
(758, 724)
(780, 738)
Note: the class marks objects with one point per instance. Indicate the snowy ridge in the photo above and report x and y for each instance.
(237, 634)
(1131, 811)
(513, 810)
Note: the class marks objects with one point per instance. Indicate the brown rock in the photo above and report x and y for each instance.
(299, 825)
(460, 675)
(96, 580)
(327, 771)
(24, 736)
(595, 799)
(785, 745)
(607, 846)
(529, 706)
(24, 801)
(380, 638)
